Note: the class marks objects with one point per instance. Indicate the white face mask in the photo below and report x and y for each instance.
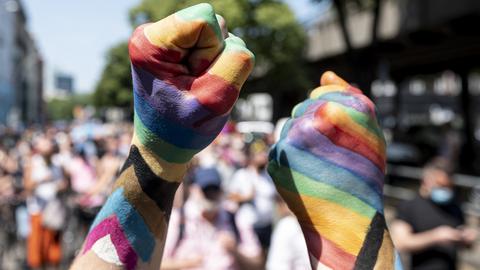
(441, 195)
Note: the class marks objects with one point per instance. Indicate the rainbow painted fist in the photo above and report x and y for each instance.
(329, 167)
(186, 77)
(187, 73)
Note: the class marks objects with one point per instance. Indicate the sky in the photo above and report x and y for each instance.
(74, 36)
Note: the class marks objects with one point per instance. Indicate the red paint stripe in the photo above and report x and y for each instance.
(215, 93)
(326, 251)
(161, 62)
(212, 91)
(354, 90)
(341, 138)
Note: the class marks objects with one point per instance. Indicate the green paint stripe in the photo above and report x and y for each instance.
(364, 120)
(235, 44)
(203, 12)
(299, 183)
(161, 148)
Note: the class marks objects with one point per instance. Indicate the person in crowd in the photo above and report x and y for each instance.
(253, 190)
(82, 171)
(108, 167)
(431, 227)
(43, 182)
(208, 238)
(288, 250)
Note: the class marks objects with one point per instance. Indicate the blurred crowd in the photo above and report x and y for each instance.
(53, 181)
(226, 214)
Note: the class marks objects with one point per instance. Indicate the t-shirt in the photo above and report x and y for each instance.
(260, 210)
(423, 215)
(202, 239)
(46, 178)
(288, 250)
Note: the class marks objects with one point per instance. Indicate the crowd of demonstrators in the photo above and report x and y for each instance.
(226, 214)
(53, 180)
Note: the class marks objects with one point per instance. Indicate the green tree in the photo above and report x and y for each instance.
(268, 27)
(115, 85)
(62, 108)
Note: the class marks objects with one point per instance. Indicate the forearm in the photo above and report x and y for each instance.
(130, 229)
(416, 241)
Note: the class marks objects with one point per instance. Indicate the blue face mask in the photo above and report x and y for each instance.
(441, 195)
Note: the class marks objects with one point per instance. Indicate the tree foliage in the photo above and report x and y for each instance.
(62, 108)
(269, 28)
(115, 85)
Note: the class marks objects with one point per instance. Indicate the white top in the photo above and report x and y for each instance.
(46, 188)
(288, 250)
(246, 182)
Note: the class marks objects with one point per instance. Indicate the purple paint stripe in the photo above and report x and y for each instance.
(348, 100)
(172, 103)
(111, 226)
(304, 136)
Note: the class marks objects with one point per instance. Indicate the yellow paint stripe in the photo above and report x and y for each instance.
(148, 209)
(177, 34)
(172, 172)
(344, 227)
(232, 66)
(386, 254)
(165, 33)
(321, 90)
(337, 116)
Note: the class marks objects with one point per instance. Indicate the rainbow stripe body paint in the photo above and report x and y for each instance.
(329, 167)
(186, 78)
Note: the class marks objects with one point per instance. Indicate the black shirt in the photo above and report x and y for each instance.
(423, 215)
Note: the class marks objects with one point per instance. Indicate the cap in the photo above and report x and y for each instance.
(207, 177)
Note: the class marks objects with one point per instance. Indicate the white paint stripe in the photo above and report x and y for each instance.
(106, 251)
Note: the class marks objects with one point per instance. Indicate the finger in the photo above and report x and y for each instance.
(330, 88)
(219, 87)
(223, 26)
(194, 28)
(329, 77)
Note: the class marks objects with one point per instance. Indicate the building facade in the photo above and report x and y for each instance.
(21, 68)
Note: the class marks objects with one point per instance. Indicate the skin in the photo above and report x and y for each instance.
(187, 73)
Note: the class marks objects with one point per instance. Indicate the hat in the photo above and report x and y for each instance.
(207, 177)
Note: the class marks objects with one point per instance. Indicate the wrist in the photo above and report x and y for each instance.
(164, 161)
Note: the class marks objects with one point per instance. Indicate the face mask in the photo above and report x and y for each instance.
(441, 195)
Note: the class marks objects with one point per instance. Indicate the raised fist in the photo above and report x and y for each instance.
(329, 167)
(187, 74)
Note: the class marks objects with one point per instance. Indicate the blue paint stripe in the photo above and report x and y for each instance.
(133, 225)
(301, 108)
(316, 168)
(168, 130)
(173, 104)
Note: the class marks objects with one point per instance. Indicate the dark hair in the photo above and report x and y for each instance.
(439, 164)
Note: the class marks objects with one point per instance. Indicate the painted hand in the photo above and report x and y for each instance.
(187, 73)
(186, 78)
(329, 167)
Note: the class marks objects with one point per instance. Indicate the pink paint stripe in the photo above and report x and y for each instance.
(112, 226)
